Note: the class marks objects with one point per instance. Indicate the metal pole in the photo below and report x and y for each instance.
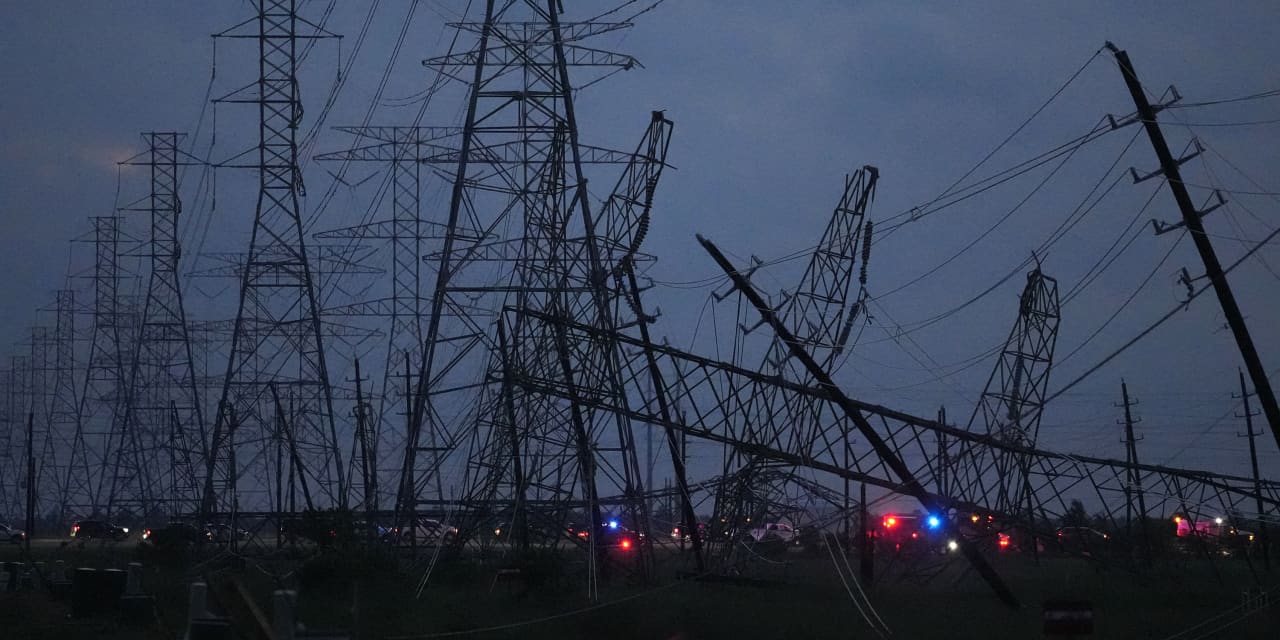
(1257, 481)
(1135, 480)
(1212, 267)
(866, 546)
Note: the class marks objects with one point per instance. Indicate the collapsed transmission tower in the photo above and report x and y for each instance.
(821, 313)
(276, 388)
(522, 233)
(1010, 406)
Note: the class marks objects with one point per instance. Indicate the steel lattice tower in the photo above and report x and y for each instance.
(521, 234)
(404, 149)
(12, 447)
(162, 424)
(20, 401)
(820, 313)
(276, 386)
(99, 400)
(54, 355)
(1010, 406)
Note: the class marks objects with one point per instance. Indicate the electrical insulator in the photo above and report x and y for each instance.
(866, 253)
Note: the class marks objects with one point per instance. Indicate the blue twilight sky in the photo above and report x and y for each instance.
(773, 103)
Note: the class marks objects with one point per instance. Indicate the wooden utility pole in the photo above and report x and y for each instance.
(1213, 268)
(1257, 480)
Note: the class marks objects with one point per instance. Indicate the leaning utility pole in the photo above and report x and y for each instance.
(1257, 481)
(1191, 218)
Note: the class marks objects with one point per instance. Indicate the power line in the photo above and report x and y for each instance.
(1253, 96)
(1161, 320)
(1012, 135)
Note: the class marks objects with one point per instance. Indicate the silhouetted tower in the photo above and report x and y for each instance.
(518, 172)
(62, 418)
(11, 445)
(160, 436)
(99, 402)
(276, 373)
(821, 313)
(1010, 406)
(19, 397)
(404, 149)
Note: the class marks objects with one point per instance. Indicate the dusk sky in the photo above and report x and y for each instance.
(773, 103)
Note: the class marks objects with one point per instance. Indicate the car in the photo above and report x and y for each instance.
(678, 533)
(222, 532)
(13, 535)
(775, 531)
(1083, 540)
(612, 535)
(322, 531)
(98, 530)
(425, 531)
(176, 534)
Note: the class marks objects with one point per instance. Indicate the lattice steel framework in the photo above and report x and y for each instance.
(12, 440)
(715, 394)
(160, 437)
(53, 355)
(821, 313)
(20, 401)
(1010, 406)
(522, 232)
(98, 404)
(404, 149)
(276, 388)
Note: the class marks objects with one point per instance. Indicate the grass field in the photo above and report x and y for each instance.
(800, 597)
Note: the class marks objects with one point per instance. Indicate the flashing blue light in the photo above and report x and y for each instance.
(934, 522)
(613, 524)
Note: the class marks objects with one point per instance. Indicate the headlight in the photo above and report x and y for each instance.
(125, 529)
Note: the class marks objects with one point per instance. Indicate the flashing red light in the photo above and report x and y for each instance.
(1004, 541)
(890, 522)
(626, 544)
(914, 535)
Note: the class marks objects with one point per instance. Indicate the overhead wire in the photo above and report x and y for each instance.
(1207, 103)
(1012, 135)
(955, 193)
(1165, 318)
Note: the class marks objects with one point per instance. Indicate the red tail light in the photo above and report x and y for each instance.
(626, 544)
